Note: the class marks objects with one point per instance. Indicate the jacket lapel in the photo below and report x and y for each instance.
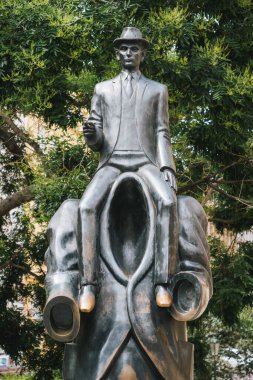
(117, 95)
(141, 87)
(140, 91)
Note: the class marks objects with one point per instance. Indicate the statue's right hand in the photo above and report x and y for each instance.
(89, 130)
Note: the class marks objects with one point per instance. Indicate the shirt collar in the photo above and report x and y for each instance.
(135, 74)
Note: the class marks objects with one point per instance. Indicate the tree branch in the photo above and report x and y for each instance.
(240, 161)
(9, 142)
(234, 181)
(15, 200)
(19, 132)
(224, 221)
(10, 263)
(230, 196)
(211, 179)
(193, 184)
(26, 270)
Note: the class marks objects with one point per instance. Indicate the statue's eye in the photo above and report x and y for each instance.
(134, 49)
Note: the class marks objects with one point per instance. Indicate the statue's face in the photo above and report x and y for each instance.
(130, 55)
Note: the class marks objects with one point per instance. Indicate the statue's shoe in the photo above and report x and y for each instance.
(163, 297)
(87, 299)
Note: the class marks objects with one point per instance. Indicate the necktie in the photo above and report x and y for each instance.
(129, 85)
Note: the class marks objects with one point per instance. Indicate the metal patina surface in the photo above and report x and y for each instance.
(128, 264)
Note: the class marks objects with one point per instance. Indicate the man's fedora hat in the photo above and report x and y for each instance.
(131, 34)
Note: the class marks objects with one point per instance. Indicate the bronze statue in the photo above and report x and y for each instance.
(128, 264)
(128, 125)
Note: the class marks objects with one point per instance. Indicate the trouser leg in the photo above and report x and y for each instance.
(167, 223)
(90, 208)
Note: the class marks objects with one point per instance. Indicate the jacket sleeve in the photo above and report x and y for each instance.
(61, 313)
(96, 119)
(192, 284)
(164, 150)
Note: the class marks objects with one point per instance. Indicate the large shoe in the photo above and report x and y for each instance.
(87, 299)
(162, 296)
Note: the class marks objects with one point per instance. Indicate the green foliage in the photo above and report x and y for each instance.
(229, 315)
(198, 331)
(233, 280)
(234, 342)
(65, 172)
(22, 377)
(15, 377)
(43, 43)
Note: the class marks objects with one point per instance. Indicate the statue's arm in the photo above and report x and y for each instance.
(164, 151)
(61, 313)
(192, 284)
(93, 128)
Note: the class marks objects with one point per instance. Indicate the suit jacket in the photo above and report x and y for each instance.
(152, 120)
(122, 312)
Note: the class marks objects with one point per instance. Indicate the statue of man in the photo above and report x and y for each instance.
(135, 331)
(128, 126)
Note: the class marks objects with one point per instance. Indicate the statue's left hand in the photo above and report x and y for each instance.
(169, 176)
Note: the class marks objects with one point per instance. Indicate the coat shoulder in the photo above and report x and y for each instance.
(154, 83)
(159, 87)
(102, 86)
